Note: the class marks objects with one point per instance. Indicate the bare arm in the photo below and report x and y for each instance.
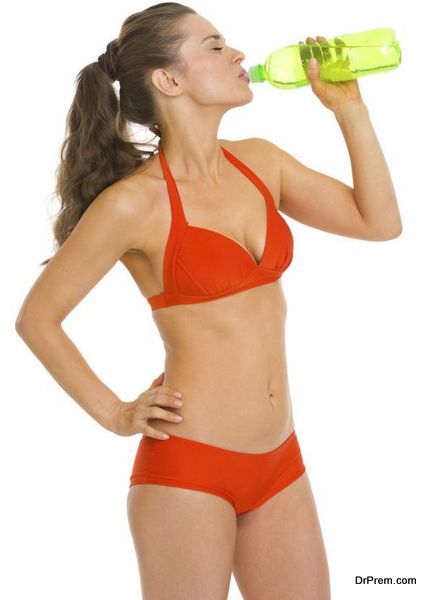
(109, 227)
(368, 211)
(373, 189)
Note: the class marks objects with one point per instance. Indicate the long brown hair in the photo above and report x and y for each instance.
(97, 150)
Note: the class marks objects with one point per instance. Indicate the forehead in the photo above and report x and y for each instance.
(215, 36)
(201, 32)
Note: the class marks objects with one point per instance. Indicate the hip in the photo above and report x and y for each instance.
(235, 420)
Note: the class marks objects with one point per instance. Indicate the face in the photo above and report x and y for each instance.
(211, 68)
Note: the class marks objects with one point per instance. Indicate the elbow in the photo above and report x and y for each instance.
(18, 327)
(30, 324)
(395, 233)
(385, 235)
(26, 323)
(32, 330)
(21, 326)
(19, 323)
(33, 318)
(399, 231)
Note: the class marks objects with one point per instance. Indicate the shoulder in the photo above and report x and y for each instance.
(119, 201)
(259, 153)
(134, 196)
(252, 146)
(137, 196)
(126, 207)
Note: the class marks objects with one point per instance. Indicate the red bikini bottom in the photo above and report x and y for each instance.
(244, 479)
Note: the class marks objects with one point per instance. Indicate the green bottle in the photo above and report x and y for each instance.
(340, 59)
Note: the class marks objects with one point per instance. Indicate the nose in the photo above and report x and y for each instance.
(239, 56)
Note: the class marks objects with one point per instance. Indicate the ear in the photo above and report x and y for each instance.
(165, 82)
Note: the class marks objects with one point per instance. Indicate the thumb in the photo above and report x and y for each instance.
(313, 70)
(158, 380)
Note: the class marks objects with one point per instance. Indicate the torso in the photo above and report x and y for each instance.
(227, 356)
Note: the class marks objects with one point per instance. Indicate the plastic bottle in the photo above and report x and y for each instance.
(340, 59)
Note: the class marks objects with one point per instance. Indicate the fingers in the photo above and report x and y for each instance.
(160, 396)
(319, 49)
(166, 399)
(154, 433)
(164, 389)
(146, 406)
(155, 412)
(157, 381)
(161, 389)
(311, 40)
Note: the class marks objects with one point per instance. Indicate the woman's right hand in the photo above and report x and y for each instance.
(132, 417)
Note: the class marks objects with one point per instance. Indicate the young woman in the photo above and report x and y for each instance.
(198, 226)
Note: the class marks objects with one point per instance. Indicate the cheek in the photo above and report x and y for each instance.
(208, 71)
(207, 79)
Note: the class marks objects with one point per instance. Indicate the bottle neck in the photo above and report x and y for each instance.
(257, 73)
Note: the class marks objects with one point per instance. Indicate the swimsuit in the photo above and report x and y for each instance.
(246, 480)
(202, 265)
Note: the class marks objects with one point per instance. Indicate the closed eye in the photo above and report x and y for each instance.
(217, 48)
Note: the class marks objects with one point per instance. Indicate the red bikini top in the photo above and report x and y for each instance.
(201, 264)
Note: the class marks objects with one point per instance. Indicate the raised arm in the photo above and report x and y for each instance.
(367, 211)
(111, 225)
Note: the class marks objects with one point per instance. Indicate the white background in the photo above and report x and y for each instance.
(359, 326)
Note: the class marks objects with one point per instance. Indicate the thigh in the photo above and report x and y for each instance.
(184, 541)
(280, 553)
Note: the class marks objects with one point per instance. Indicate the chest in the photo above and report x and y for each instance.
(212, 236)
(236, 207)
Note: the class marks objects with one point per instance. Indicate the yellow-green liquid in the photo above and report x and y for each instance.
(340, 59)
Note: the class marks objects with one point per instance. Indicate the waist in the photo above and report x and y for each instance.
(228, 359)
(247, 414)
(249, 359)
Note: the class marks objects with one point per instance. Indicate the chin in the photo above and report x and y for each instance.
(247, 100)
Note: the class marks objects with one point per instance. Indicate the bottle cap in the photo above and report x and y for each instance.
(257, 73)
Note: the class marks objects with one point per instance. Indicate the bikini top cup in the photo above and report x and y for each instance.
(201, 265)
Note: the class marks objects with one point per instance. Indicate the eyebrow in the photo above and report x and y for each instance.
(215, 36)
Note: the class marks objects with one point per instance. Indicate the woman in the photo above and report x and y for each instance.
(199, 228)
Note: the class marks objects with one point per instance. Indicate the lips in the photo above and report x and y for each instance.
(244, 75)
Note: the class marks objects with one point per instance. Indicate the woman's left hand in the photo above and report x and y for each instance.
(337, 95)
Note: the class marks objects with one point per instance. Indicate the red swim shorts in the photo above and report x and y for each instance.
(244, 479)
